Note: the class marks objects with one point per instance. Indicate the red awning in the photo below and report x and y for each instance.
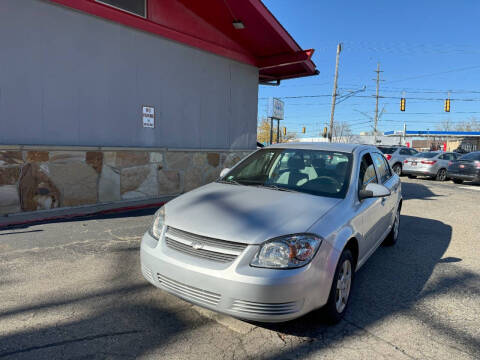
(259, 39)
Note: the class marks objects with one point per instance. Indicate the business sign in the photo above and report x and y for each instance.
(148, 116)
(275, 108)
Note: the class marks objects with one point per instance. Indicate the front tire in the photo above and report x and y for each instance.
(458, 181)
(342, 284)
(392, 237)
(412, 176)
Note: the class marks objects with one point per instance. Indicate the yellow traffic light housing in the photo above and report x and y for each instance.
(447, 105)
(303, 130)
(402, 104)
(284, 131)
(325, 131)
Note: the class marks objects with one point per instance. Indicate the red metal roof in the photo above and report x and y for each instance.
(207, 25)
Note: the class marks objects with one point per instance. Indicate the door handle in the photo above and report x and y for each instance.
(383, 200)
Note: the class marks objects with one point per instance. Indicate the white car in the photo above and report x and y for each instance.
(279, 235)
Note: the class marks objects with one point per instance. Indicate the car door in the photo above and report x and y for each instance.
(370, 210)
(389, 203)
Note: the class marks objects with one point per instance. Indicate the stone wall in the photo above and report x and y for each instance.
(45, 178)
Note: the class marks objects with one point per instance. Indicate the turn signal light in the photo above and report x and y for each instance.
(405, 161)
(450, 163)
(428, 162)
(388, 156)
(477, 164)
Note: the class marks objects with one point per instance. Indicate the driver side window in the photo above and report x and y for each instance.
(367, 172)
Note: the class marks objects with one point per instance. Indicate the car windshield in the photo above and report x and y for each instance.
(322, 173)
(471, 156)
(426, 155)
(387, 150)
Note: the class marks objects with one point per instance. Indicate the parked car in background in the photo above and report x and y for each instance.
(467, 167)
(279, 235)
(432, 164)
(396, 156)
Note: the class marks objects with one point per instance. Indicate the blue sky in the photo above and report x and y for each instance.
(425, 48)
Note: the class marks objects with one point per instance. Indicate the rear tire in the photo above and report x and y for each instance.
(397, 169)
(392, 236)
(457, 181)
(340, 292)
(441, 175)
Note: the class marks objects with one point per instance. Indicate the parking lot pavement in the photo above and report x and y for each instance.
(73, 290)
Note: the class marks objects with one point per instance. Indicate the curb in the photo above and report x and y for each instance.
(42, 216)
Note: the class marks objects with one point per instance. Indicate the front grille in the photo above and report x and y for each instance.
(147, 273)
(189, 292)
(203, 247)
(265, 308)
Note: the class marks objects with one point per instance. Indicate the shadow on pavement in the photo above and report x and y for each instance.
(393, 280)
(417, 191)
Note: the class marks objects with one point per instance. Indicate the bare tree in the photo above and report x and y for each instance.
(342, 132)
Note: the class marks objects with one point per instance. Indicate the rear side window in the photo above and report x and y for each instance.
(387, 150)
(471, 156)
(427, 155)
(405, 152)
(382, 167)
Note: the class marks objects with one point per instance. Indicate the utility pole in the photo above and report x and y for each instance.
(404, 133)
(334, 95)
(376, 105)
(271, 131)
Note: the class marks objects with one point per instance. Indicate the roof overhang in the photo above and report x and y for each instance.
(261, 41)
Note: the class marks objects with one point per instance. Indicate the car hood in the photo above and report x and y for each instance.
(245, 214)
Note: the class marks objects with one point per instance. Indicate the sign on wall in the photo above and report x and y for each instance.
(148, 116)
(275, 108)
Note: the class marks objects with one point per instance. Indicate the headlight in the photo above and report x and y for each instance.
(157, 224)
(290, 251)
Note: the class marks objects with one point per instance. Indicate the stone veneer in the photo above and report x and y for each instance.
(45, 178)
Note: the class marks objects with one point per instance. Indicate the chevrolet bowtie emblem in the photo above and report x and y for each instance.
(197, 245)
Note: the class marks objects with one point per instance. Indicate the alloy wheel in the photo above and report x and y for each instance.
(396, 226)
(442, 175)
(344, 283)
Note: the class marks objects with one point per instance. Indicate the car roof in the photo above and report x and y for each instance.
(340, 147)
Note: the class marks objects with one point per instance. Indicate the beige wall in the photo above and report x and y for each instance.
(37, 178)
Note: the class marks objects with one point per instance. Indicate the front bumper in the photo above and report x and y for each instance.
(236, 288)
(468, 177)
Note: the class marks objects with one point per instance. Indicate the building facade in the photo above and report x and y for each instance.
(102, 103)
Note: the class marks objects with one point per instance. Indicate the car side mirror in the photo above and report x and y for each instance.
(224, 172)
(373, 191)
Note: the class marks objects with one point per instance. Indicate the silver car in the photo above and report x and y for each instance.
(432, 164)
(279, 235)
(396, 155)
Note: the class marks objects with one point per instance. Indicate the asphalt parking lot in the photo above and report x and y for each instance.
(73, 290)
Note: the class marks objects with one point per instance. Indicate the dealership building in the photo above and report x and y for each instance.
(122, 101)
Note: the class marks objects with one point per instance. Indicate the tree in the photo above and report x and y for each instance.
(342, 132)
(471, 124)
(263, 132)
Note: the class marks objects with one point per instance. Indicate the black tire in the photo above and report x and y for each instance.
(392, 236)
(441, 175)
(457, 181)
(412, 176)
(397, 169)
(330, 310)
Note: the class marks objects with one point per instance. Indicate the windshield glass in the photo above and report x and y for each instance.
(387, 150)
(426, 155)
(323, 173)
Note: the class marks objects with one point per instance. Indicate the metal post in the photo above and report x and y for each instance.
(271, 131)
(334, 94)
(376, 105)
(404, 133)
(278, 131)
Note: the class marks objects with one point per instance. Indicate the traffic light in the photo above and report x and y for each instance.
(447, 105)
(402, 104)
(284, 131)
(303, 130)
(325, 130)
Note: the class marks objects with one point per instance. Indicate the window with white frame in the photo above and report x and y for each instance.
(137, 7)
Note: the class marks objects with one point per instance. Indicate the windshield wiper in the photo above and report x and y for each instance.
(276, 187)
(233, 182)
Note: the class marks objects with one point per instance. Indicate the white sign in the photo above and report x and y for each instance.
(275, 108)
(148, 116)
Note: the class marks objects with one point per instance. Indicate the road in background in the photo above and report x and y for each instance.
(73, 290)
